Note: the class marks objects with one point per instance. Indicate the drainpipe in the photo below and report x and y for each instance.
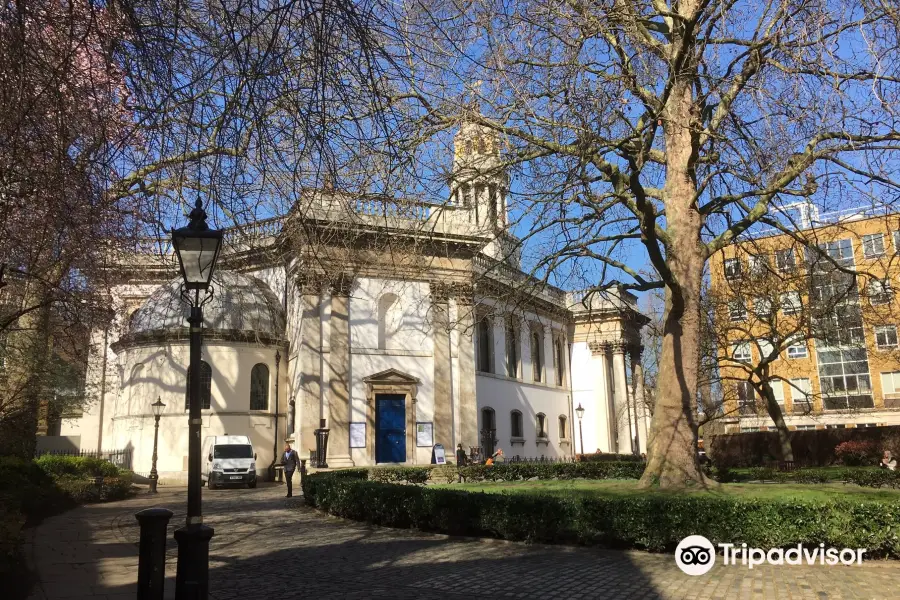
(275, 443)
(102, 389)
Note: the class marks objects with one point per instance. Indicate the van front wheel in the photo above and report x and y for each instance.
(251, 485)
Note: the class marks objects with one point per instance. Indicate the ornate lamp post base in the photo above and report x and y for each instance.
(192, 576)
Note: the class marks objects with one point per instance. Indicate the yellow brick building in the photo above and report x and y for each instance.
(816, 306)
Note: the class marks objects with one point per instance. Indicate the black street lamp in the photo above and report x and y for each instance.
(157, 407)
(580, 413)
(197, 247)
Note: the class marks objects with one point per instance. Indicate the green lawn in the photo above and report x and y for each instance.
(622, 487)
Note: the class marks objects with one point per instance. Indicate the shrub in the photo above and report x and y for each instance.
(601, 457)
(414, 475)
(873, 478)
(524, 471)
(76, 466)
(762, 474)
(652, 521)
(855, 453)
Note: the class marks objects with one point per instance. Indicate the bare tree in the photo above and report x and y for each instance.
(671, 127)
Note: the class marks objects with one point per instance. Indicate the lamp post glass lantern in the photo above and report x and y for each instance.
(580, 413)
(157, 408)
(197, 248)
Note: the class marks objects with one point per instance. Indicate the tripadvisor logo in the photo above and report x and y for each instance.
(696, 555)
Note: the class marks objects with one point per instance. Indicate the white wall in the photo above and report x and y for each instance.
(164, 376)
(585, 381)
(409, 348)
(505, 395)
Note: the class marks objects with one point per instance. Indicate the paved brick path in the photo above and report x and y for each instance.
(272, 548)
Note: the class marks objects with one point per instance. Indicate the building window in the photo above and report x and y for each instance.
(790, 303)
(515, 424)
(890, 382)
(762, 307)
(732, 268)
(886, 336)
(840, 252)
(879, 291)
(805, 427)
(759, 264)
(777, 386)
(512, 349)
(259, 387)
(559, 362)
(746, 398)
(205, 387)
(801, 391)
(897, 241)
(563, 427)
(873, 245)
(784, 260)
(836, 426)
(766, 348)
(737, 311)
(488, 431)
(797, 350)
(844, 377)
(741, 352)
(541, 425)
(484, 345)
(537, 352)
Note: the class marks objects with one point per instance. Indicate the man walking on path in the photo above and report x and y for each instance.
(291, 463)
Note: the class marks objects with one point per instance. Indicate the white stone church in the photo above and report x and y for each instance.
(395, 325)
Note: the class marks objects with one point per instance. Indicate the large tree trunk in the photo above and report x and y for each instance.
(672, 459)
(784, 436)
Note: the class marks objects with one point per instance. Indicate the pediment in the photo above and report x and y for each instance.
(391, 376)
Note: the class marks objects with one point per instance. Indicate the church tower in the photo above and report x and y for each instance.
(479, 182)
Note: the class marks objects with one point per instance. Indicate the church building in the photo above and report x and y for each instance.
(395, 325)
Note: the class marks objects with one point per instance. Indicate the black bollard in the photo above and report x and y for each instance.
(152, 557)
(302, 471)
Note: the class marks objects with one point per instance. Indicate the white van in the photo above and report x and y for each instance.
(228, 460)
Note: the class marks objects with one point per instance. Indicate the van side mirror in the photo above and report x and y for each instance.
(209, 458)
(254, 456)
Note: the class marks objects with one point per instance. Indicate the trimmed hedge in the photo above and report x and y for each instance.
(35, 489)
(610, 458)
(523, 471)
(864, 476)
(655, 522)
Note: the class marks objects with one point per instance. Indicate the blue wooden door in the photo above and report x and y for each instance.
(390, 428)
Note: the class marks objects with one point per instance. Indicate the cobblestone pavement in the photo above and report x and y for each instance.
(270, 547)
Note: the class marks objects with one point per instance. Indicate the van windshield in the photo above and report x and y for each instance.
(235, 451)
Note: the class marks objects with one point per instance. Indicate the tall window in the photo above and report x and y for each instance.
(387, 308)
(537, 358)
(801, 391)
(515, 424)
(512, 349)
(732, 268)
(563, 427)
(484, 346)
(784, 260)
(746, 398)
(559, 362)
(737, 311)
(873, 245)
(886, 336)
(259, 387)
(541, 425)
(205, 387)
(488, 430)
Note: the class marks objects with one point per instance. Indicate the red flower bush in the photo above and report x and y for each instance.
(856, 453)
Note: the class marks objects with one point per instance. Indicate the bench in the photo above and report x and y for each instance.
(787, 466)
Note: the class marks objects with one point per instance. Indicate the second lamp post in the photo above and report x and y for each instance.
(157, 407)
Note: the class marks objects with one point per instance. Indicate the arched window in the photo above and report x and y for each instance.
(134, 395)
(515, 422)
(484, 341)
(563, 427)
(537, 358)
(512, 348)
(130, 324)
(559, 358)
(387, 309)
(541, 425)
(259, 387)
(205, 387)
(488, 430)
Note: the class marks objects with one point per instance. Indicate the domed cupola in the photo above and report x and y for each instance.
(241, 308)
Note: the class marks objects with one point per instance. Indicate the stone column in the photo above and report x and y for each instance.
(468, 406)
(604, 423)
(339, 374)
(620, 400)
(443, 401)
(641, 415)
(310, 357)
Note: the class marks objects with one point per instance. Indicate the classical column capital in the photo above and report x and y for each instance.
(618, 346)
(598, 347)
(341, 284)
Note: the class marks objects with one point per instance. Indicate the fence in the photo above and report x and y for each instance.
(120, 458)
(539, 460)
